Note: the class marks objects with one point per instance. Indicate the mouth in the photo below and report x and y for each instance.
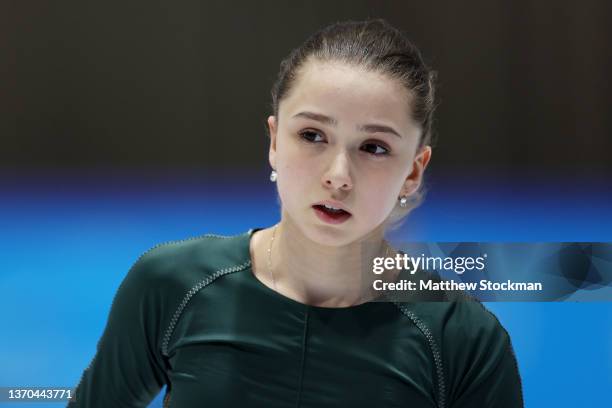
(331, 215)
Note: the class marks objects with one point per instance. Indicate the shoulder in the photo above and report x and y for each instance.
(465, 320)
(473, 340)
(182, 263)
(162, 281)
(470, 322)
(461, 327)
(464, 326)
(467, 341)
(167, 275)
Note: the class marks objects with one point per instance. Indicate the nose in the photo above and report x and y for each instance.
(338, 175)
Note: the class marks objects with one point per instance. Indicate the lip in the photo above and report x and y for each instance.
(330, 219)
(332, 203)
(327, 218)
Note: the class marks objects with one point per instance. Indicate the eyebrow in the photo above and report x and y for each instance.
(370, 128)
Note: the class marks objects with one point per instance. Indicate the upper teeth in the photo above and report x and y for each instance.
(330, 207)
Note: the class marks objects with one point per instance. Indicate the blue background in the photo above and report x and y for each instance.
(69, 238)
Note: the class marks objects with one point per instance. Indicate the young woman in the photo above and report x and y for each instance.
(278, 317)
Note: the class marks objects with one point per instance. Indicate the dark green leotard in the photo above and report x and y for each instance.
(192, 316)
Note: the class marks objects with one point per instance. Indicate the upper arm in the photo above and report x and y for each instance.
(480, 361)
(128, 368)
(496, 386)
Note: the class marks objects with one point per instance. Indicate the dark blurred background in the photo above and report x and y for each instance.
(523, 85)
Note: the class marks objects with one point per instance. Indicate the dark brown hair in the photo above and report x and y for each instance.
(376, 46)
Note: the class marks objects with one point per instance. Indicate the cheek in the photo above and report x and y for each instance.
(379, 199)
(381, 188)
(286, 152)
(294, 174)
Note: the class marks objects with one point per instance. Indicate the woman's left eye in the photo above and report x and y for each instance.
(376, 149)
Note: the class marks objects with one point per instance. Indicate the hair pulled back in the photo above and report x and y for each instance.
(376, 46)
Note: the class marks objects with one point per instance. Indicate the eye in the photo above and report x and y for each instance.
(310, 136)
(376, 149)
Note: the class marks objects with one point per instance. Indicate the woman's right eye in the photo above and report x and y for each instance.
(310, 136)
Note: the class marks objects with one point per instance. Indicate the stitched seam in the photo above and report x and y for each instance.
(299, 395)
(169, 393)
(168, 397)
(178, 241)
(195, 289)
(433, 348)
(91, 362)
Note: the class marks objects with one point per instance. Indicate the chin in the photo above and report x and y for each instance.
(333, 235)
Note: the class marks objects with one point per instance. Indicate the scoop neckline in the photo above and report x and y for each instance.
(286, 299)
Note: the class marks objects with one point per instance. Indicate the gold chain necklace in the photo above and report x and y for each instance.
(270, 256)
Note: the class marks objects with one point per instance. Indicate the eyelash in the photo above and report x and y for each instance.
(386, 149)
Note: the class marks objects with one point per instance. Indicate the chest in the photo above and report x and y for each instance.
(263, 355)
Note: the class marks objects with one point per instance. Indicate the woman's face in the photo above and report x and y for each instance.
(344, 134)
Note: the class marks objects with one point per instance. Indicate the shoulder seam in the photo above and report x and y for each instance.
(195, 289)
(433, 348)
(178, 241)
(91, 362)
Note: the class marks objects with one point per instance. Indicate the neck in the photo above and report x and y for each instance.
(323, 275)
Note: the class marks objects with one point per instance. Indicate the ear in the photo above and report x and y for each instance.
(272, 126)
(414, 179)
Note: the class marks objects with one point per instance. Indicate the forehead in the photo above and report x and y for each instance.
(348, 93)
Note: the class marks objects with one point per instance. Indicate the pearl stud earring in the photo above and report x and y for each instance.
(273, 176)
